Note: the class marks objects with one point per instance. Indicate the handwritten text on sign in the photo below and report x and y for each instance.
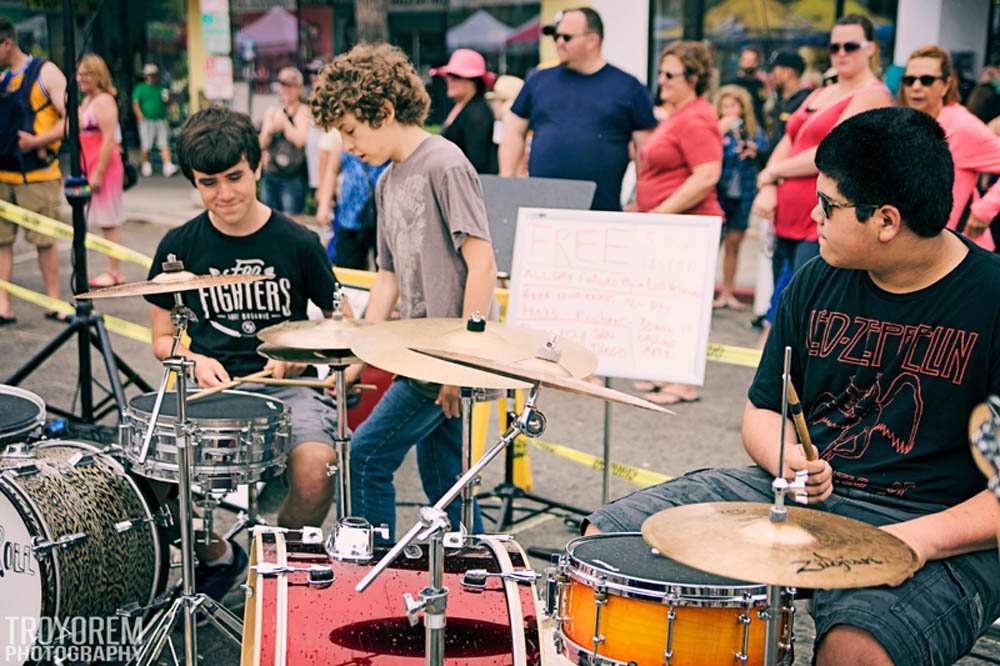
(634, 288)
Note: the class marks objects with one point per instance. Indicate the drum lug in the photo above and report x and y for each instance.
(474, 580)
(42, 547)
(23, 469)
(600, 601)
(81, 459)
(320, 575)
(17, 450)
(162, 518)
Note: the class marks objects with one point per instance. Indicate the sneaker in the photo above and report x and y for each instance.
(147, 169)
(169, 169)
(216, 581)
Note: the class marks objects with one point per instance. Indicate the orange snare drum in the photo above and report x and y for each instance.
(619, 603)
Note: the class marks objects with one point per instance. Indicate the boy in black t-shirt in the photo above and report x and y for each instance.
(895, 337)
(219, 152)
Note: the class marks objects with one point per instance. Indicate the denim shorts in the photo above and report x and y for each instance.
(933, 618)
(314, 414)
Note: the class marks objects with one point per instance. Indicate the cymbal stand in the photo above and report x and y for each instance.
(342, 442)
(469, 398)
(432, 526)
(188, 602)
(778, 514)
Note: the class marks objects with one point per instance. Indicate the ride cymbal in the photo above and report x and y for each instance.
(309, 356)
(389, 345)
(810, 549)
(531, 373)
(168, 283)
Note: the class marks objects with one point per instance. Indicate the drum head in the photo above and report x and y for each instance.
(237, 405)
(20, 576)
(19, 409)
(628, 555)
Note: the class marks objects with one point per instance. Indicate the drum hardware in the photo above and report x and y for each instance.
(319, 575)
(161, 518)
(475, 579)
(42, 547)
(353, 539)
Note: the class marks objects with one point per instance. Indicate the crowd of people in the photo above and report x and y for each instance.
(881, 245)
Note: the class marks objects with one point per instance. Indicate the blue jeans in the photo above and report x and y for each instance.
(402, 418)
(283, 194)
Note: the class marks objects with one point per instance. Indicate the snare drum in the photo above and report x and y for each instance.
(618, 600)
(239, 437)
(78, 539)
(21, 412)
(317, 616)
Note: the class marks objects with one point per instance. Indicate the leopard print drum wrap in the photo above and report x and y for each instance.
(105, 570)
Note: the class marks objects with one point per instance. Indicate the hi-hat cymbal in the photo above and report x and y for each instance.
(389, 345)
(534, 372)
(810, 549)
(325, 335)
(168, 283)
(309, 356)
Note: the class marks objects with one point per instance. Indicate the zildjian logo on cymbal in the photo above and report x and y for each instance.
(820, 563)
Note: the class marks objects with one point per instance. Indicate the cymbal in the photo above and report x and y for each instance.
(167, 283)
(530, 372)
(389, 345)
(325, 335)
(309, 356)
(810, 549)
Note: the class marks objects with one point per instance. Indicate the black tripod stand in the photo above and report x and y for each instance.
(85, 324)
(508, 494)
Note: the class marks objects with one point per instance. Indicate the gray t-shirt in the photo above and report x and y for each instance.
(428, 204)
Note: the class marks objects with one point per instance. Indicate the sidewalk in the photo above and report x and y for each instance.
(156, 200)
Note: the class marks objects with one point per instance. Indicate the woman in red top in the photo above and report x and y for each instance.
(682, 160)
(787, 185)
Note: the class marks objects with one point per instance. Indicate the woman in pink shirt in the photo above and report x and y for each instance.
(929, 85)
(682, 160)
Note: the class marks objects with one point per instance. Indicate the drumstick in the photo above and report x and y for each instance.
(313, 383)
(800, 423)
(230, 384)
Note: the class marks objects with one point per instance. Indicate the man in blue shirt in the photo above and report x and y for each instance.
(583, 113)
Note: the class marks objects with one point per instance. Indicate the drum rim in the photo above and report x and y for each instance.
(224, 423)
(26, 425)
(679, 594)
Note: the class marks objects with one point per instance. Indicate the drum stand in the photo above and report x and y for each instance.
(342, 443)
(188, 602)
(778, 514)
(432, 526)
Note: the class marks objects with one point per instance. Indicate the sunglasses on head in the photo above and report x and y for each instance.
(827, 205)
(847, 47)
(926, 80)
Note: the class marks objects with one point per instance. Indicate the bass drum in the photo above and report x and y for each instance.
(78, 537)
(308, 617)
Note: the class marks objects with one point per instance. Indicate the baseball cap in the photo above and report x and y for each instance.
(789, 59)
(150, 69)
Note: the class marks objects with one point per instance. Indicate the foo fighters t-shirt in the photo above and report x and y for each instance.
(887, 381)
(291, 257)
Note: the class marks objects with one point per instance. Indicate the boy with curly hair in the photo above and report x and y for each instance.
(435, 259)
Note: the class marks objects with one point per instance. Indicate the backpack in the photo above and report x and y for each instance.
(16, 114)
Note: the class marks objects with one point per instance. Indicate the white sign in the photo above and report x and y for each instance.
(219, 77)
(215, 32)
(634, 288)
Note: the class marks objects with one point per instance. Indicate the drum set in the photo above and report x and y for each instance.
(701, 584)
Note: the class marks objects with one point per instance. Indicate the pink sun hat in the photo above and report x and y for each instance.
(467, 64)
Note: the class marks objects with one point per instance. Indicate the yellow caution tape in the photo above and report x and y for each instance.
(46, 225)
(113, 324)
(744, 356)
(634, 475)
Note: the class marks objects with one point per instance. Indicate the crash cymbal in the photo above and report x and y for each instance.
(310, 356)
(389, 345)
(325, 335)
(534, 371)
(167, 283)
(810, 549)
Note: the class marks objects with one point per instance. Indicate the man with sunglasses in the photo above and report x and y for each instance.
(583, 113)
(895, 339)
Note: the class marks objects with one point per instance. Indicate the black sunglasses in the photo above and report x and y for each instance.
(926, 80)
(864, 211)
(556, 36)
(848, 47)
(670, 76)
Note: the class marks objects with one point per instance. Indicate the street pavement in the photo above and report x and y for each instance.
(702, 434)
